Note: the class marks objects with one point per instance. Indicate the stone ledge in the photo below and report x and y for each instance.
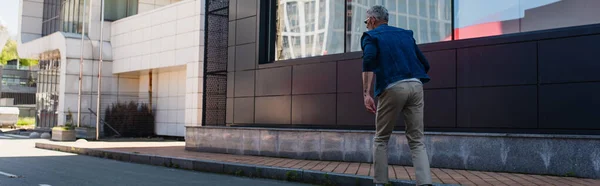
(512, 153)
(237, 169)
(473, 134)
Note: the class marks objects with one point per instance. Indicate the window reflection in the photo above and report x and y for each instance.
(430, 20)
(308, 28)
(119, 9)
(475, 18)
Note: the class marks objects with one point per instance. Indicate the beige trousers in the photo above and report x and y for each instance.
(406, 98)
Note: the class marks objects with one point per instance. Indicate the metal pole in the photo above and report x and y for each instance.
(81, 66)
(101, 45)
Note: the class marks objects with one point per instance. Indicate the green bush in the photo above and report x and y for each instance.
(26, 121)
(130, 120)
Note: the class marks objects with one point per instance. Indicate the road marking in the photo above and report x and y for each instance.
(5, 137)
(45, 185)
(16, 136)
(9, 175)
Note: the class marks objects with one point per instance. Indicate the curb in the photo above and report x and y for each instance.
(237, 169)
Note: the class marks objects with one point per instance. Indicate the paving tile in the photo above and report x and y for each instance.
(364, 169)
(558, 180)
(300, 164)
(411, 173)
(391, 172)
(331, 167)
(446, 178)
(582, 181)
(352, 168)
(274, 161)
(283, 162)
(401, 173)
(341, 168)
(532, 179)
(310, 165)
(320, 166)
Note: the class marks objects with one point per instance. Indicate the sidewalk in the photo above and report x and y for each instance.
(156, 153)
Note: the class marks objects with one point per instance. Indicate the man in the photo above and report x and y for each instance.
(400, 68)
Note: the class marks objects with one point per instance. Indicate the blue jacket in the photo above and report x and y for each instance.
(392, 54)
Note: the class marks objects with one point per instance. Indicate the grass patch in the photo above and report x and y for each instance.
(26, 121)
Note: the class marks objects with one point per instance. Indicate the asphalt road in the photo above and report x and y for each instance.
(37, 167)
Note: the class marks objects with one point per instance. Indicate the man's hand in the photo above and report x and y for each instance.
(367, 81)
(370, 104)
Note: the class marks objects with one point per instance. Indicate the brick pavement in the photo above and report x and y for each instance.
(446, 176)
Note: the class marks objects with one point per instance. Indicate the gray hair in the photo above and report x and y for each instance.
(378, 12)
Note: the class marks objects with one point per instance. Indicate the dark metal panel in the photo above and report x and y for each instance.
(314, 78)
(274, 81)
(497, 107)
(440, 108)
(569, 60)
(232, 33)
(243, 110)
(510, 64)
(246, 8)
(230, 84)
(570, 106)
(351, 110)
(244, 83)
(443, 69)
(273, 110)
(229, 112)
(245, 57)
(245, 30)
(233, 10)
(314, 109)
(231, 59)
(349, 76)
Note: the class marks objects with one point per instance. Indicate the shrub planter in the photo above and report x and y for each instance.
(63, 134)
(85, 133)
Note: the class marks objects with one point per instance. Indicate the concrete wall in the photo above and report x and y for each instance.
(169, 41)
(30, 20)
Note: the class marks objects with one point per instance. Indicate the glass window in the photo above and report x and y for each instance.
(418, 20)
(51, 16)
(73, 13)
(119, 9)
(423, 8)
(299, 22)
(391, 5)
(412, 7)
(476, 18)
(402, 6)
(433, 9)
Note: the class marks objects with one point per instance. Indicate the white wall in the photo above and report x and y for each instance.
(169, 100)
(165, 37)
(30, 20)
(148, 5)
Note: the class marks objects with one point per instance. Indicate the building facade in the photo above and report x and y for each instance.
(512, 80)
(294, 70)
(151, 52)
